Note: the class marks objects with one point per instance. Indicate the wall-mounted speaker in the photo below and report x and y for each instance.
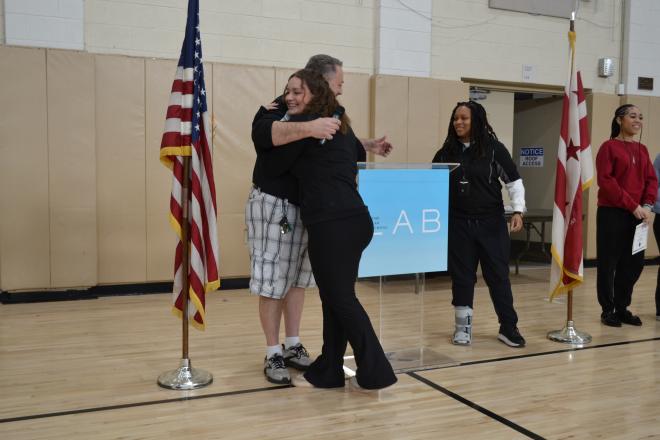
(605, 67)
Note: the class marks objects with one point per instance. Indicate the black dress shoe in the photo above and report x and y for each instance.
(627, 317)
(610, 319)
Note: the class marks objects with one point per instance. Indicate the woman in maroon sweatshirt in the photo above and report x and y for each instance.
(627, 191)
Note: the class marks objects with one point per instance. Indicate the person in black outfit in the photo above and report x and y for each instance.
(340, 228)
(280, 268)
(478, 230)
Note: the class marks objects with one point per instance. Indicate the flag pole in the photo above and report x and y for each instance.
(185, 250)
(185, 377)
(569, 334)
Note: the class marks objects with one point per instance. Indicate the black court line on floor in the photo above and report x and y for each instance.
(257, 390)
(137, 404)
(545, 353)
(479, 408)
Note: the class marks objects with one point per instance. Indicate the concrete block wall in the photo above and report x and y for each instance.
(44, 23)
(471, 40)
(643, 46)
(404, 32)
(2, 22)
(254, 32)
(443, 39)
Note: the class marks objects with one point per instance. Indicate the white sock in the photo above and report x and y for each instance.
(273, 349)
(290, 341)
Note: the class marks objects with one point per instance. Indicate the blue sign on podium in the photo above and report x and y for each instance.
(409, 207)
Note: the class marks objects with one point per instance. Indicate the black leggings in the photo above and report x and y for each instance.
(618, 269)
(335, 248)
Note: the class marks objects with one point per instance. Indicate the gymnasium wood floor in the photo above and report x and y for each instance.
(88, 369)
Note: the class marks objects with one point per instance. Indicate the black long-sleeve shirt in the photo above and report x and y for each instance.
(326, 175)
(283, 185)
(279, 184)
(483, 174)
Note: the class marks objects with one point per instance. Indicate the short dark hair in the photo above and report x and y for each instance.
(323, 64)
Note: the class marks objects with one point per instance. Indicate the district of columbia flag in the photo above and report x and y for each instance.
(187, 133)
(574, 175)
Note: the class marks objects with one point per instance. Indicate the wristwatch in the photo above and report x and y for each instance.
(518, 212)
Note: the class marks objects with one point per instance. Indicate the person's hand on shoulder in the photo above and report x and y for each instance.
(271, 106)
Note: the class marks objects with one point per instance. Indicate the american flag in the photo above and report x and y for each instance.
(574, 175)
(187, 133)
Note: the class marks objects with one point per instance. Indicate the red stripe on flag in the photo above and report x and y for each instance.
(174, 139)
(183, 87)
(178, 112)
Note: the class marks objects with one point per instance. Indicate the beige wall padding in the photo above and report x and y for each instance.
(238, 93)
(120, 151)
(356, 98)
(414, 113)
(390, 97)
(85, 200)
(425, 125)
(234, 257)
(161, 239)
(281, 78)
(446, 94)
(24, 217)
(72, 168)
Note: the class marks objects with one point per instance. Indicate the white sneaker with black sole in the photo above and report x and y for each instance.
(511, 337)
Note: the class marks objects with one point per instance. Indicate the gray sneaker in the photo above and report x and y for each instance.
(297, 357)
(276, 371)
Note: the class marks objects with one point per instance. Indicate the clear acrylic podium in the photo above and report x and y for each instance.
(408, 203)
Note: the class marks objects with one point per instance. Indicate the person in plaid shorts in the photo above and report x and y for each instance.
(280, 269)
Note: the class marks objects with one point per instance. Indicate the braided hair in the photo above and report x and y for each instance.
(481, 132)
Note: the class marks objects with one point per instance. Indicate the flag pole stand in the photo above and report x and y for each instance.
(185, 377)
(569, 334)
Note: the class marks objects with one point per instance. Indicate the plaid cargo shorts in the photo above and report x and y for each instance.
(278, 261)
